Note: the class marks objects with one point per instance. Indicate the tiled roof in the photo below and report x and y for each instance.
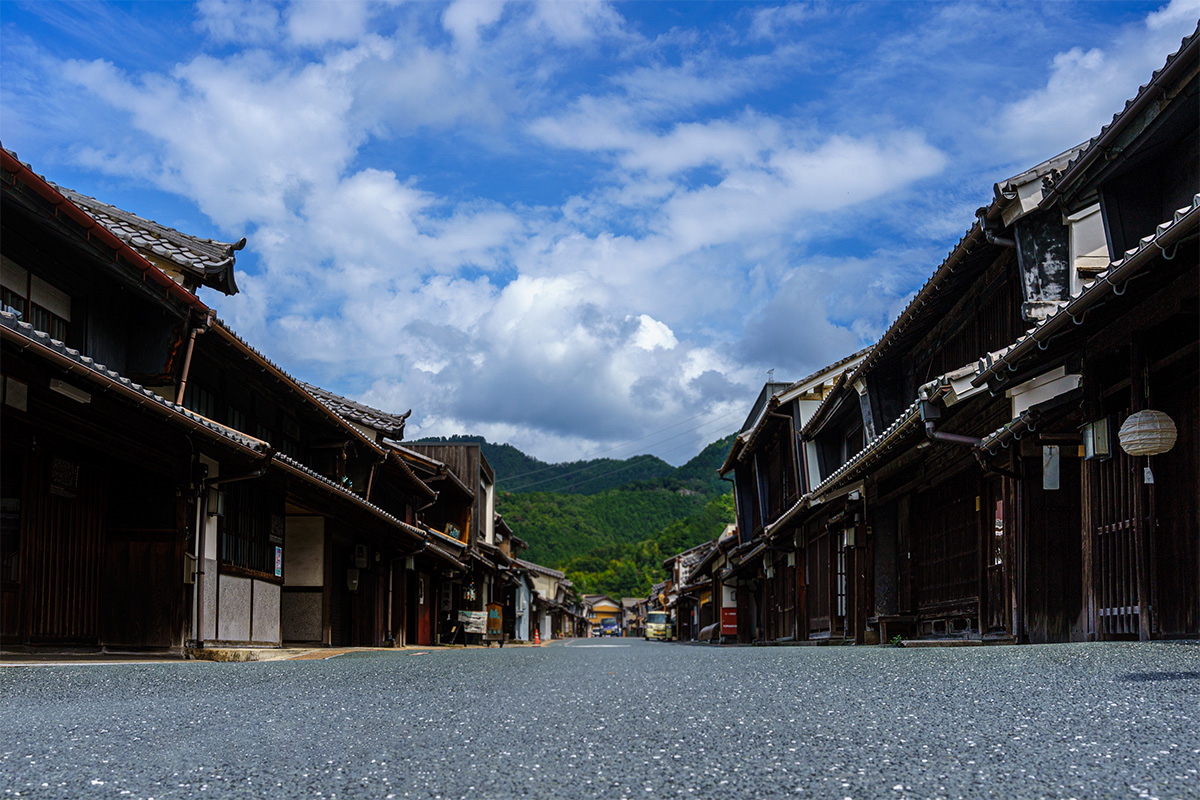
(100, 373)
(224, 329)
(64, 208)
(827, 405)
(391, 425)
(208, 261)
(878, 446)
(538, 568)
(835, 365)
(973, 240)
(748, 436)
(1166, 235)
(337, 488)
(1146, 94)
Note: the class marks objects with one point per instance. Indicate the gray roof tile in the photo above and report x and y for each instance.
(207, 261)
(392, 425)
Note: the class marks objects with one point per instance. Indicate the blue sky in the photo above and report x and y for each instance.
(579, 227)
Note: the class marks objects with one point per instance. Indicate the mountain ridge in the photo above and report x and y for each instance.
(610, 537)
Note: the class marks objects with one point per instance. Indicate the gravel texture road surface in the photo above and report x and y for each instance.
(616, 719)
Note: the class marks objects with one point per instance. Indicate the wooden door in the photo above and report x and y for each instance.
(12, 472)
(1115, 484)
(62, 546)
(819, 594)
(994, 550)
(801, 615)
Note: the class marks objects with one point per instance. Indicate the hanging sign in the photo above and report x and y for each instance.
(278, 562)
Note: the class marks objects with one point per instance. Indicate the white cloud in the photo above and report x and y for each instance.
(651, 334)
(319, 22)
(775, 22)
(238, 21)
(575, 22)
(669, 232)
(465, 18)
(1086, 86)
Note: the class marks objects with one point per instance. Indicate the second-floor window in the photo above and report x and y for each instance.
(45, 307)
(197, 398)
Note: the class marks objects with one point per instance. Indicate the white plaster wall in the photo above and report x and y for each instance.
(212, 583)
(233, 624)
(265, 612)
(545, 585)
(210, 536)
(304, 551)
(524, 601)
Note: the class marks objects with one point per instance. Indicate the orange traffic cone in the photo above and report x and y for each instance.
(537, 637)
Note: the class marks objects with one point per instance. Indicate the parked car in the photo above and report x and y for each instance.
(658, 626)
(609, 626)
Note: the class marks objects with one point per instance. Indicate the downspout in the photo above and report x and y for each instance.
(991, 229)
(202, 545)
(187, 358)
(371, 477)
(930, 413)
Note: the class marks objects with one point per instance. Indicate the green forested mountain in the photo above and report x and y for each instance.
(613, 541)
(518, 472)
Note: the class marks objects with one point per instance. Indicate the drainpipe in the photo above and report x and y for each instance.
(202, 544)
(930, 413)
(371, 477)
(991, 229)
(187, 358)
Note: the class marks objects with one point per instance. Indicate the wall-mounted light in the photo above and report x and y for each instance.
(1097, 440)
(216, 502)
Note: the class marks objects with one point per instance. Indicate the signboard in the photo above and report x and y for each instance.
(495, 621)
(278, 562)
(729, 622)
(473, 621)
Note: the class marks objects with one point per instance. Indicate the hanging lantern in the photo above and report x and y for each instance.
(1147, 433)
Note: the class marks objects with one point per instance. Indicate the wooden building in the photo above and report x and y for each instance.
(782, 595)
(165, 484)
(1128, 341)
(965, 478)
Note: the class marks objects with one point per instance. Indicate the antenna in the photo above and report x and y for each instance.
(771, 375)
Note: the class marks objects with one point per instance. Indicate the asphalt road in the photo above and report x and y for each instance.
(616, 719)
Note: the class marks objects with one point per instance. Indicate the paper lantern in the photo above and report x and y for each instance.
(1147, 433)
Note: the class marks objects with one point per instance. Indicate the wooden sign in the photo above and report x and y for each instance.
(495, 621)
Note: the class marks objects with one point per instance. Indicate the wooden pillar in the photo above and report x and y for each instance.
(327, 594)
(1091, 410)
(983, 552)
(1137, 386)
